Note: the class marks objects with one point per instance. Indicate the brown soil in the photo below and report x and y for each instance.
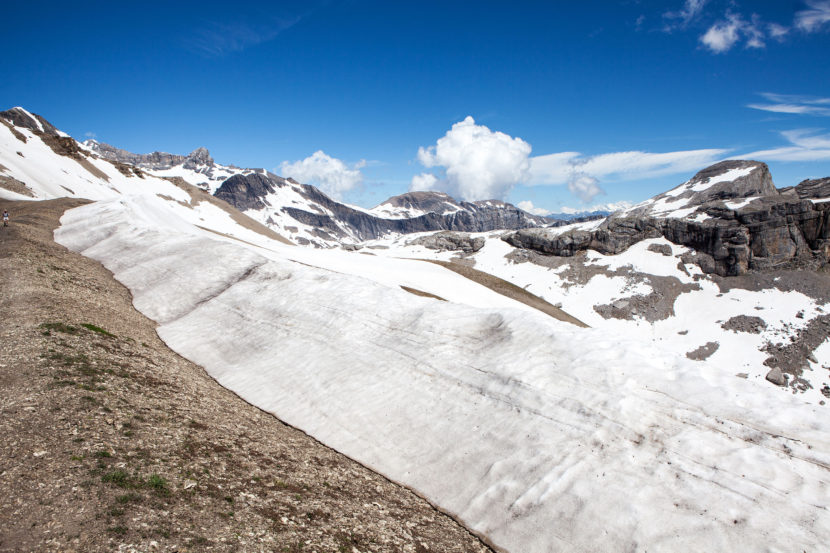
(421, 293)
(509, 290)
(112, 442)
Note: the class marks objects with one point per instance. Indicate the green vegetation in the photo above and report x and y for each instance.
(97, 329)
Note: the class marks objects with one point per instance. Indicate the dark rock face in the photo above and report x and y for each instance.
(338, 220)
(450, 241)
(773, 230)
(246, 191)
(21, 118)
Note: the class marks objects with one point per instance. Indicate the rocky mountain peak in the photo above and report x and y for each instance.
(20, 117)
(202, 155)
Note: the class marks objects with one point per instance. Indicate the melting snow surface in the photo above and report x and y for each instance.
(541, 435)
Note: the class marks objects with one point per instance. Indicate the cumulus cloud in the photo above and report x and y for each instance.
(794, 104)
(584, 186)
(331, 175)
(478, 164)
(424, 181)
(804, 145)
(528, 206)
(813, 19)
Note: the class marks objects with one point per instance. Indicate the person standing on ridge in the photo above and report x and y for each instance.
(5, 218)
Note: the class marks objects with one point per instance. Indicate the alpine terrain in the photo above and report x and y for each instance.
(653, 380)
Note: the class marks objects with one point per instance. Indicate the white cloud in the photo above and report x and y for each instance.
(330, 174)
(813, 19)
(723, 35)
(424, 181)
(794, 104)
(804, 145)
(528, 206)
(559, 168)
(585, 187)
(478, 164)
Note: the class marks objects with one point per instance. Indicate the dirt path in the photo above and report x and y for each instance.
(112, 442)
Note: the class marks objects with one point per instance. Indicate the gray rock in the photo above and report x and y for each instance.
(777, 377)
(450, 241)
(745, 323)
(703, 352)
(663, 249)
(774, 231)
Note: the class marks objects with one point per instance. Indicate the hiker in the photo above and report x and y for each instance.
(5, 218)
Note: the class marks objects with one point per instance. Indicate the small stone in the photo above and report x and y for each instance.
(40, 453)
(742, 375)
(189, 484)
(777, 377)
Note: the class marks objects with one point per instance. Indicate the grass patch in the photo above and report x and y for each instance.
(130, 497)
(97, 329)
(158, 484)
(59, 327)
(103, 454)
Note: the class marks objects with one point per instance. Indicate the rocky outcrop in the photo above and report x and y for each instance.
(246, 192)
(19, 117)
(154, 160)
(768, 229)
(450, 241)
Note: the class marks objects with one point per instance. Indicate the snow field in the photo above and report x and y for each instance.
(538, 434)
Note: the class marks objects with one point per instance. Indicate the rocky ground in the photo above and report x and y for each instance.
(112, 442)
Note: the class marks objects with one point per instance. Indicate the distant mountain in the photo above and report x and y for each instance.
(196, 168)
(311, 217)
(579, 215)
(731, 214)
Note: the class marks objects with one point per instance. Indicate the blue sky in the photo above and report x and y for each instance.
(558, 104)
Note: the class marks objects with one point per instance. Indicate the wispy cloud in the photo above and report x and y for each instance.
(736, 29)
(726, 33)
(584, 174)
(559, 168)
(813, 19)
(220, 39)
(681, 18)
(804, 145)
(794, 104)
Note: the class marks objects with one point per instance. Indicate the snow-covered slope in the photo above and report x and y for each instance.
(538, 434)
